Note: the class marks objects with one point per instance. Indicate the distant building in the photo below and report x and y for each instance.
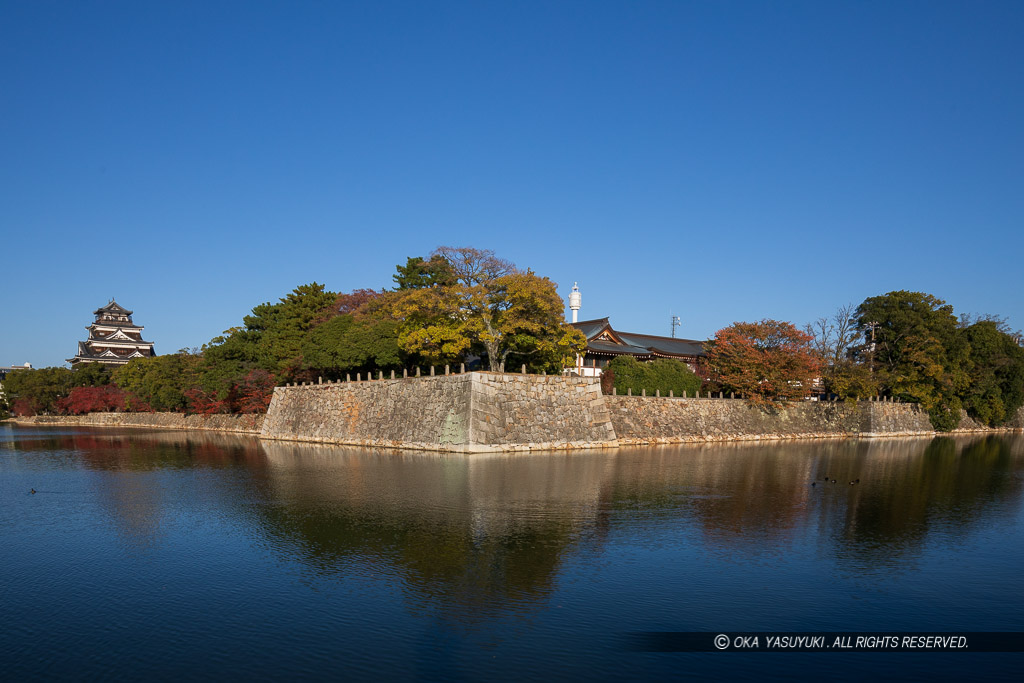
(113, 338)
(4, 369)
(605, 343)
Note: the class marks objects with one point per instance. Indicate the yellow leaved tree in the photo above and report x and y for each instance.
(487, 307)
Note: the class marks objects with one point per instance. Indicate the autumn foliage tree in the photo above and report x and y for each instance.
(254, 392)
(768, 362)
(102, 399)
(483, 305)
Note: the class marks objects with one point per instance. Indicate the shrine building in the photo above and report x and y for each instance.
(605, 343)
(113, 338)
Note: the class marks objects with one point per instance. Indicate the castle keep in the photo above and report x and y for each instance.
(113, 338)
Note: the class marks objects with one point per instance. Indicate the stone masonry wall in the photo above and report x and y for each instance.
(645, 420)
(893, 419)
(473, 412)
(491, 412)
(248, 424)
(530, 411)
(408, 413)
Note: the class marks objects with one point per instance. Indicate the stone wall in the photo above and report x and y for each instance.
(1017, 422)
(645, 420)
(475, 412)
(490, 412)
(249, 424)
(893, 419)
(541, 412)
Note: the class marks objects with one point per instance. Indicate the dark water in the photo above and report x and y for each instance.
(147, 555)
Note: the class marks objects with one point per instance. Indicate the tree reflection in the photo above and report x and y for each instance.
(475, 537)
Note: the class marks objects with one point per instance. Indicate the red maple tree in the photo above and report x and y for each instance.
(768, 362)
(253, 393)
(102, 399)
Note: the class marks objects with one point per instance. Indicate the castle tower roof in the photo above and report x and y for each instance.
(113, 338)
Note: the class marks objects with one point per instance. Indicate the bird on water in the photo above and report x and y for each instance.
(32, 490)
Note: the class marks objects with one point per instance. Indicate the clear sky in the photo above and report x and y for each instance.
(719, 161)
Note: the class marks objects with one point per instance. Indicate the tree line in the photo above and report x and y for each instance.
(465, 303)
(457, 303)
(905, 346)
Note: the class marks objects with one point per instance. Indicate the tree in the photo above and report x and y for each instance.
(355, 300)
(912, 341)
(93, 399)
(254, 392)
(159, 382)
(833, 341)
(272, 338)
(664, 375)
(768, 362)
(353, 343)
(491, 308)
(418, 273)
(32, 392)
(996, 389)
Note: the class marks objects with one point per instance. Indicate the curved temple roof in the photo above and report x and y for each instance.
(603, 339)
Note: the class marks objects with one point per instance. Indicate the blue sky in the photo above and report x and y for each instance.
(719, 161)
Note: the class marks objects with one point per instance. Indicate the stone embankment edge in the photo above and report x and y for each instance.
(231, 424)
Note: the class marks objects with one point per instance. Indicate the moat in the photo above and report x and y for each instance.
(200, 555)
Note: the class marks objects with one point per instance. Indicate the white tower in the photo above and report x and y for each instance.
(574, 301)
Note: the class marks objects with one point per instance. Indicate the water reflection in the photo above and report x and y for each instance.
(474, 535)
(471, 538)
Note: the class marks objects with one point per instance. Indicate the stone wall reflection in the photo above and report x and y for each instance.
(475, 535)
(472, 537)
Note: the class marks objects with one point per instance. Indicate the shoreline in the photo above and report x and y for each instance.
(252, 424)
(230, 424)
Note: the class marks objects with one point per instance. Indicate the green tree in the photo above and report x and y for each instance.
(353, 343)
(912, 341)
(663, 374)
(159, 382)
(273, 338)
(418, 273)
(32, 392)
(996, 388)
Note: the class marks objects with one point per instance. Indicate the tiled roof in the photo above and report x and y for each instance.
(591, 328)
(112, 307)
(636, 344)
(666, 345)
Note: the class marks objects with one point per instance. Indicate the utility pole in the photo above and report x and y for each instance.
(675, 323)
(871, 326)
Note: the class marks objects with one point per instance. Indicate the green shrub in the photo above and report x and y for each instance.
(662, 375)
